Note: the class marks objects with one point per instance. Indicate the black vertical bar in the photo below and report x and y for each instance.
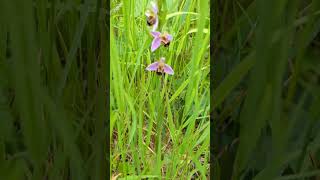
(212, 37)
(108, 87)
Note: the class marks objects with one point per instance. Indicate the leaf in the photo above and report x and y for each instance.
(180, 13)
(179, 90)
(232, 80)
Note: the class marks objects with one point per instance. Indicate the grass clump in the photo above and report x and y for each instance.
(160, 124)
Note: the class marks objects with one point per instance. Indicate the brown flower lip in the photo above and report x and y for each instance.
(160, 38)
(151, 20)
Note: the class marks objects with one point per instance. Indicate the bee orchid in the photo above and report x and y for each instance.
(160, 67)
(160, 38)
(152, 16)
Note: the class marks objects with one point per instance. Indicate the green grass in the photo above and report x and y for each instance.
(160, 125)
(266, 89)
(53, 101)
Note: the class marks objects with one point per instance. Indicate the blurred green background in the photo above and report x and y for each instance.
(53, 89)
(266, 89)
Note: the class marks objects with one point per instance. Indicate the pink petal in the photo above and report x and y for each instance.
(167, 69)
(153, 66)
(155, 26)
(155, 44)
(154, 7)
(169, 37)
(155, 34)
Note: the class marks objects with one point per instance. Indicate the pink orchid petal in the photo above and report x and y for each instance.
(155, 34)
(155, 44)
(154, 7)
(167, 69)
(169, 37)
(153, 66)
(155, 26)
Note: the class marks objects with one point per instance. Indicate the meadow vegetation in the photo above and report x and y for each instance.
(160, 124)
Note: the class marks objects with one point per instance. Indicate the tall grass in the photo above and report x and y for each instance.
(160, 124)
(53, 71)
(266, 93)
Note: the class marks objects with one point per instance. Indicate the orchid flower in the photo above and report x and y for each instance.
(160, 67)
(159, 38)
(152, 16)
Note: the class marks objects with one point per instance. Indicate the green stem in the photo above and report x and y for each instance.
(159, 126)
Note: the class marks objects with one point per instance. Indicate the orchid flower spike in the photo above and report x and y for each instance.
(160, 67)
(152, 16)
(159, 38)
